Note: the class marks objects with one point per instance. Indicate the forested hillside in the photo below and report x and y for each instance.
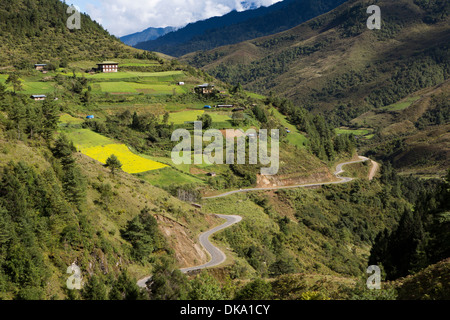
(334, 63)
(36, 32)
(359, 79)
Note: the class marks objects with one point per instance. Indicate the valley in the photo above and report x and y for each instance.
(88, 178)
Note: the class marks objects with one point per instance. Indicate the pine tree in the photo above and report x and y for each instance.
(125, 288)
(113, 163)
(15, 81)
(94, 289)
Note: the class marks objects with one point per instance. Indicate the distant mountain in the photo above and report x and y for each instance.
(335, 60)
(380, 79)
(146, 35)
(236, 26)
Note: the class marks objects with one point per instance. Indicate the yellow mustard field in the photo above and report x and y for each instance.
(131, 163)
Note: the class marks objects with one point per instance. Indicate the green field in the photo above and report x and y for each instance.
(254, 95)
(34, 87)
(86, 138)
(294, 137)
(153, 83)
(133, 87)
(167, 176)
(220, 119)
(184, 116)
(401, 105)
(68, 119)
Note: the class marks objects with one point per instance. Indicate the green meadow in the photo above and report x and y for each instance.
(167, 176)
(294, 137)
(399, 106)
(133, 87)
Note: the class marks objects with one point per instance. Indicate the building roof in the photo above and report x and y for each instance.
(205, 85)
(40, 64)
(39, 96)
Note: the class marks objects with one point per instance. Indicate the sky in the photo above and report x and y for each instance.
(123, 17)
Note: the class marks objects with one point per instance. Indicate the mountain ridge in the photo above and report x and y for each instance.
(239, 26)
(146, 35)
(299, 62)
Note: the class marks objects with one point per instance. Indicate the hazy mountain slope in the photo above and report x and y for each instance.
(335, 61)
(146, 35)
(239, 26)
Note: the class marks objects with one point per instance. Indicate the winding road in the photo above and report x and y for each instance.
(217, 255)
(338, 171)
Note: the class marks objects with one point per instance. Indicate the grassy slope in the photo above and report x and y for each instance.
(108, 215)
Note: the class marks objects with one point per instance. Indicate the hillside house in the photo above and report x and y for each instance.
(108, 66)
(40, 66)
(38, 97)
(205, 88)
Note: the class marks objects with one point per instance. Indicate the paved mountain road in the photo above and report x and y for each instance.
(217, 255)
(338, 171)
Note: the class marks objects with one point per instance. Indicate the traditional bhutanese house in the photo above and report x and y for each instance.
(211, 174)
(108, 66)
(38, 97)
(225, 106)
(205, 88)
(40, 66)
(181, 83)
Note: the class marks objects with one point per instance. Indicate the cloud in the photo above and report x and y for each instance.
(122, 17)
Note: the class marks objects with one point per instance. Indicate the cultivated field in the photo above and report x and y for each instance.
(131, 163)
(99, 147)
